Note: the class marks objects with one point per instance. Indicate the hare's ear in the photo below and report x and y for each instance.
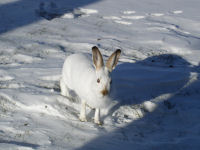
(97, 58)
(113, 59)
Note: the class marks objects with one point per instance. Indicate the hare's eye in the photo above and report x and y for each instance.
(98, 80)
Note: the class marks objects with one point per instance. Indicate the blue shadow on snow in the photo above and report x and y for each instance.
(143, 81)
(24, 12)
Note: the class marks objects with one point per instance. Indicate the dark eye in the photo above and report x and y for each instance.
(98, 80)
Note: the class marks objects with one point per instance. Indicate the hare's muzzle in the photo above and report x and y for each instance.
(104, 92)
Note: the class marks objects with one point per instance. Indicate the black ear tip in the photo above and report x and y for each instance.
(94, 47)
(118, 50)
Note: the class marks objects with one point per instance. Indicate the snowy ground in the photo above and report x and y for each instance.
(156, 86)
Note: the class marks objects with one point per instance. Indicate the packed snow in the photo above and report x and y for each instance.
(155, 86)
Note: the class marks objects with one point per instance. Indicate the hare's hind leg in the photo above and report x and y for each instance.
(63, 88)
(82, 116)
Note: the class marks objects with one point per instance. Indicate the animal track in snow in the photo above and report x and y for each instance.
(133, 17)
(157, 14)
(112, 18)
(123, 22)
(177, 12)
(128, 15)
(129, 12)
(117, 20)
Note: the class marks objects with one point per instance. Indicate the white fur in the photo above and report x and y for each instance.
(80, 75)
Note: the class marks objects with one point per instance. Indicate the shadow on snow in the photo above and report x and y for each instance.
(24, 144)
(24, 12)
(146, 80)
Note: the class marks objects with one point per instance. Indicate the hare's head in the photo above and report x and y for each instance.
(103, 78)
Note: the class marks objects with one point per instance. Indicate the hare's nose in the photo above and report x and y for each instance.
(104, 92)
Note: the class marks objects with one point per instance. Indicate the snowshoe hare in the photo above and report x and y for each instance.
(90, 80)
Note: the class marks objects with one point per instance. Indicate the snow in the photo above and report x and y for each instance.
(177, 11)
(149, 106)
(133, 17)
(156, 85)
(129, 12)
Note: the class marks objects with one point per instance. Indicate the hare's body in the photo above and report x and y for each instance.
(90, 80)
(79, 75)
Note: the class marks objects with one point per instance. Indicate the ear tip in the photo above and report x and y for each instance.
(94, 47)
(118, 51)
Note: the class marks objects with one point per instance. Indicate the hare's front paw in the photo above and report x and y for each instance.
(83, 119)
(98, 122)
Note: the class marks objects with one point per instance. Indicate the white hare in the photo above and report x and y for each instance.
(89, 80)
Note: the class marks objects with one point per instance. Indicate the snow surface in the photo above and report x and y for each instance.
(156, 86)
